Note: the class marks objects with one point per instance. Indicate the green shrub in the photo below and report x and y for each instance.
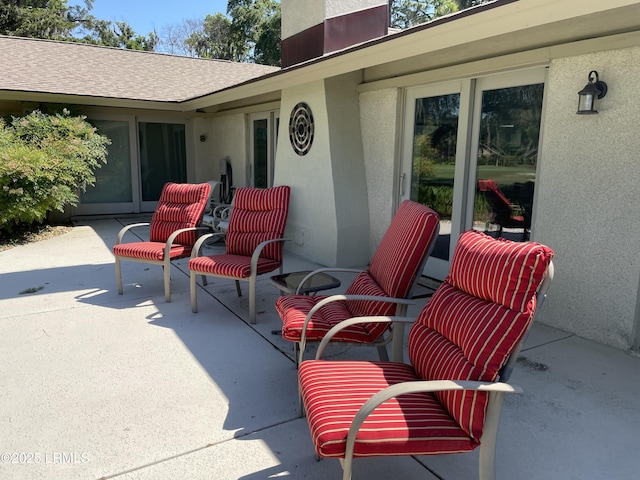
(44, 161)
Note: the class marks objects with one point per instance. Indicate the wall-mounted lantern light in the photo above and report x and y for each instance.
(203, 138)
(587, 96)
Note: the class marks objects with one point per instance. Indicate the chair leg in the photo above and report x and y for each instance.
(487, 465)
(193, 291)
(118, 276)
(346, 468)
(167, 282)
(238, 288)
(252, 298)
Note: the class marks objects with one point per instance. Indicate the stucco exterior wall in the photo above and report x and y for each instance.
(328, 217)
(378, 119)
(588, 196)
(228, 139)
(312, 218)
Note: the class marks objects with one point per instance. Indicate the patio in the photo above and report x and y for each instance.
(97, 385)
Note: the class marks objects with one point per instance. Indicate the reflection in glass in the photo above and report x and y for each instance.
(434, 157)
(113, 179)
(507, 155)
(162, 157)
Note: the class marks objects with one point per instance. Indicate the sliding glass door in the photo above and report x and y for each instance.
(163, 159)
(470, 153)
(113, 191)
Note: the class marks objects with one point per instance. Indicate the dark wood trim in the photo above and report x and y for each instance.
(335, 34)
(357, 27)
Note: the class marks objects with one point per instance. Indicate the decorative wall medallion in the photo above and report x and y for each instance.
(301, 128)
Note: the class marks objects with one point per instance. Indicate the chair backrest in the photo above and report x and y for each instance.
(398, 260)
(258, 215)
(477, 318)
(181, 205)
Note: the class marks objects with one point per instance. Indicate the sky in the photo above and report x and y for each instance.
(145, 15)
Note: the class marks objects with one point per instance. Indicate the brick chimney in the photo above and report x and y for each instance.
(312, 28)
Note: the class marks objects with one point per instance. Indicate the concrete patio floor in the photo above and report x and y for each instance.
(96, 385)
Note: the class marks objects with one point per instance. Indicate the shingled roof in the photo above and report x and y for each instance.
(44, 66)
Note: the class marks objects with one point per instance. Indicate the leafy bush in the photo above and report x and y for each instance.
(44, 161)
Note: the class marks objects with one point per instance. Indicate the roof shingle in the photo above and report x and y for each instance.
(45, 66)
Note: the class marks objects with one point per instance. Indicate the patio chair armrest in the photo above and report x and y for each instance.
(325, 269)
(258, 250)
(354, 321)
(496, 391)
(195, 252)
(335, 298)
(174, 235)
(126, 228)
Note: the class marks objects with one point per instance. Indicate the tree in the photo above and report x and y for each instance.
(173, 37)
(213, 39)
(56, 20)
(250, 22)
(407, 13)
(118, 34)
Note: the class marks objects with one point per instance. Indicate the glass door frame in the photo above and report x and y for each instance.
(465, 172)
(436, 267)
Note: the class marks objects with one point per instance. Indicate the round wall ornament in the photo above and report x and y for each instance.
(301, 128)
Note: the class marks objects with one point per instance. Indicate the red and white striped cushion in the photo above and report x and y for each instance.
(258, 215)
(396, 263)
(499, 270)
(150, 250)
(181, 205)
(463, 335)
(293, 310)
(414, 424)
(457, 336)
(404, 248)
(236, 266)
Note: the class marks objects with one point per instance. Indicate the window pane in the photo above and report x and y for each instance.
(113, 179)
(162, 157)
(508, 151)
(260, 154)
(434, 158)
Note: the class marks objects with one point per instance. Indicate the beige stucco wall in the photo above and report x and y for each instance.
(228, 139)
(328, 217)
(378, 119)
(588, 196)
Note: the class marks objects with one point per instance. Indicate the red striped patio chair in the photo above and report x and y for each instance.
(173, 230)
(253, 242)
(448, 399)
(383, 289)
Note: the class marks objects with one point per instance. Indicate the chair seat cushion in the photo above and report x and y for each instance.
(293, 309)
(414, 424)
(150, 250)
(236, 266)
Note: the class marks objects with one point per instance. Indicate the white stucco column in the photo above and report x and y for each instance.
(329, 216)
